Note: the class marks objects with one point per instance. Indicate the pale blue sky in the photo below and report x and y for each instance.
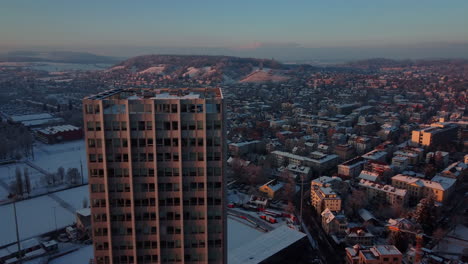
(86, 24)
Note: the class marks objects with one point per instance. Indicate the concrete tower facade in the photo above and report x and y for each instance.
(156, 159)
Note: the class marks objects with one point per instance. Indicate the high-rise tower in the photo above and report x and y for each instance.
(156, 161)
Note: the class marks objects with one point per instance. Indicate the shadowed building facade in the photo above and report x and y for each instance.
(156, 159)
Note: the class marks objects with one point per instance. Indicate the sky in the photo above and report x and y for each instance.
(296, 29)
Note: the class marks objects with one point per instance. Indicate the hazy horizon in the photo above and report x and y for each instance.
(305, 30)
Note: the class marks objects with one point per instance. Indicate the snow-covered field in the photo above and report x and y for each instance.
(7, 175)
(38, 215)
(67, 155)
(48, 158)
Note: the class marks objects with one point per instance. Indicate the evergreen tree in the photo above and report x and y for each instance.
(425, 214)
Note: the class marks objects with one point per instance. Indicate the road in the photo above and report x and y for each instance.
(328, 251)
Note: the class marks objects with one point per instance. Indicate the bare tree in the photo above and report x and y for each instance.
(73, 176)
(290, 208)
(61, 174)
(355, 201)
(254, 175)
(289, 189)
(237, 168)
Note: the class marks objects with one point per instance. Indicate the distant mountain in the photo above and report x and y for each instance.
(214, 68)
(57, 56)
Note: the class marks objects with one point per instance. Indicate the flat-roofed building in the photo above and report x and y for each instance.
(436, 134)
(352, 167)
(378, 254)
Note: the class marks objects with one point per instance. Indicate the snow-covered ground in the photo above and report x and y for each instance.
(47, 158)
(38, 215)
(155, 69)
(67, 155)
(7, 176)
(81, 256)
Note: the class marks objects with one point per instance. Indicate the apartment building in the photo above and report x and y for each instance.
(156, 161)
(440, 187)
(436, 134)
(379, 254)
(323, 198)
(384, 193)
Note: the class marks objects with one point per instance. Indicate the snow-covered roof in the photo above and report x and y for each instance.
(57, 129)
(438, 182)
(167, 95)
(265, 246)
(84, 211)
(383, 188)
(366, 215)
(38, 122)
(273, 185)
(21, 118)
(387, 250)
(368, 175)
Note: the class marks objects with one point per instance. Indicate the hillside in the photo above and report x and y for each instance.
(212, 68)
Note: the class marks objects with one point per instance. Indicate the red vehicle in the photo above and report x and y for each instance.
(269, 219)
(231, 205)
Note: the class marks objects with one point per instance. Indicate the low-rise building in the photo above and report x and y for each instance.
(323, 198)
(242, 148)
(441, 187)
(352, 167)
(379, 254)
(56, 134)
(359, 235)
(344, 151)
(384, 193)
(334, 223)
(376, 155)
(302, 172)
(436, 134)
(271, 188)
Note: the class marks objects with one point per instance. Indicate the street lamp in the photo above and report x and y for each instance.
(302, 195)
(17, 231)
(55, 220)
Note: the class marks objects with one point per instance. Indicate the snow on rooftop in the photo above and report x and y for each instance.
(264, 246)
(38, 122)
(438, 182)
(387, 250)
(166, 95)
(21, 118)
(57, 129)
(239, 232)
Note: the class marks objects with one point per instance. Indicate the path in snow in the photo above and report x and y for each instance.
(62, 203)
(32, 165)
